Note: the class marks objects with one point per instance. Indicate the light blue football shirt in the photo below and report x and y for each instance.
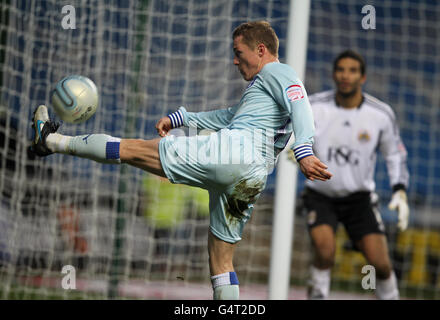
(274, 102)
(274, 105)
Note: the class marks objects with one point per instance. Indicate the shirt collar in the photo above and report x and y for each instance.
(358, 107)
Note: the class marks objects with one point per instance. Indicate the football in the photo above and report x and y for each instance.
(75, 99)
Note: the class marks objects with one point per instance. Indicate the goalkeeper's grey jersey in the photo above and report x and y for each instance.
(347, 140)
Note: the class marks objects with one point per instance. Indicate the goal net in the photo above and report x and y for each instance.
(125, 234)
(403, 71)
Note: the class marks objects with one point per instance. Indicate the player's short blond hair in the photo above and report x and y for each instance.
(256, 32)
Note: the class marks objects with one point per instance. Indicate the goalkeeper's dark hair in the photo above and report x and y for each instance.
(256, 32)
(353, 55)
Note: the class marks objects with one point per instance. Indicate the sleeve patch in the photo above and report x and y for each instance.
(294, 92)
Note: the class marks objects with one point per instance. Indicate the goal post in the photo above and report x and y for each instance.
(287, 171)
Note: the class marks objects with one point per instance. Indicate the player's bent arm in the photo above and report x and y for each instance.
(288, 91)
(395, 155)
(214, 120)
(396, 161)
(304, 129)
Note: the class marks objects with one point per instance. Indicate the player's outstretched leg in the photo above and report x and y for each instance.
(103, 148)
(98, 147)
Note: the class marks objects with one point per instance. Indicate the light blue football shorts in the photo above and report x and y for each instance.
(224, 163)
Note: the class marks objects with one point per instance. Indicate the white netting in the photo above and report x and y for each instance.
(126, 233)
(402, 70)
(123, 236)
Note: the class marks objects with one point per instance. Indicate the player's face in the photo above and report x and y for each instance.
(247, 60)
(348, 76)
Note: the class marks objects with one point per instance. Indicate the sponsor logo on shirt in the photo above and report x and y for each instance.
(294, 92)
(343, 155)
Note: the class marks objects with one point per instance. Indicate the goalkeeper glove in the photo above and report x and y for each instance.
(399, 202)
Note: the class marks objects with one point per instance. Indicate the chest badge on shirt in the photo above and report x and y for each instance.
(364, 136)
(294, 92)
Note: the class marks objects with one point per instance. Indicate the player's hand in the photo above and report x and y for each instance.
(163, 126)
(313, 168)
(399, 202)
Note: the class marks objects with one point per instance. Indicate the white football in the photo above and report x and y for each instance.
(75, 99)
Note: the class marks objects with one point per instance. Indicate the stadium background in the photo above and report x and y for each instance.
(149, 57)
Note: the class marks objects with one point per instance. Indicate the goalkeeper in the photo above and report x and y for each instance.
(351, 126)
(248, 137)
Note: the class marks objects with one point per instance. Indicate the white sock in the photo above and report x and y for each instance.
(98, 147)
(225, 286)
(58, 143)
(387, 289)
(319, 283)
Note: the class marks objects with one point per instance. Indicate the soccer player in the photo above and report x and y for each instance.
(351, 126)
(274, 105)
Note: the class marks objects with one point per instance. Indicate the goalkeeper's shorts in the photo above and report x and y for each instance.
(221, 164)
(356, 212)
